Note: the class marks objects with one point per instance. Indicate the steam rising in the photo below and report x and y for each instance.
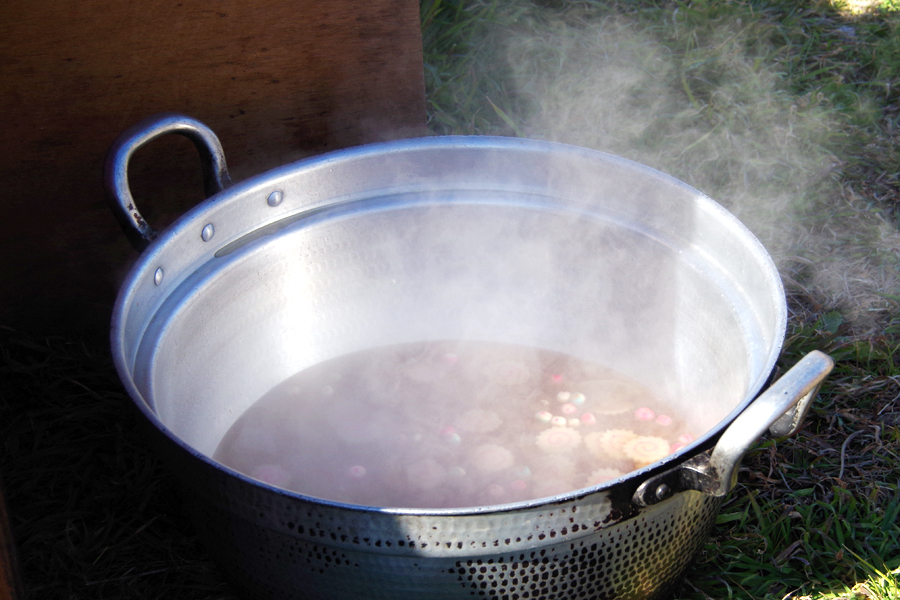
(720, 118)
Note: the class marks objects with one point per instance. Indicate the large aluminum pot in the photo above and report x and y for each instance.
(482, 238)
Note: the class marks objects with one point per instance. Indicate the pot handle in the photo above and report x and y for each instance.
(780, 409)
(115, 171)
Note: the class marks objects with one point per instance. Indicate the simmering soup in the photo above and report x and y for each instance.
(450, 424)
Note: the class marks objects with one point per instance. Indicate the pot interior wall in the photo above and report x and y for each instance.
(657, 304)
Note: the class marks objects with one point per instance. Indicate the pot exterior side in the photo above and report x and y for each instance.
(276, 546)
(636, 559)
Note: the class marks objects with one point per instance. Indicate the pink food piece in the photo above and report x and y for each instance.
(664, 420)
(686, 438)
(588, 418)
(676, 447)
(568, 408)
(544, 416)
(556, 378)
(558, 439)
(519, 485)
(271, 474)
(357, 471)
(448, 434)
(644, 414)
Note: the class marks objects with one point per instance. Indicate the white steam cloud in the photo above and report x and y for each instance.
(719, 117)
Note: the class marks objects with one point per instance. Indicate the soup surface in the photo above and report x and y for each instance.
(450, 424)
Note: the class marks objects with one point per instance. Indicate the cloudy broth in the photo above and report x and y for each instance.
(450, 424)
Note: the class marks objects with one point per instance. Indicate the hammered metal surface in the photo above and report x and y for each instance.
(638, 558)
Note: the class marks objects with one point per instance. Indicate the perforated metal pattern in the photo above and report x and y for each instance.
(637, 558)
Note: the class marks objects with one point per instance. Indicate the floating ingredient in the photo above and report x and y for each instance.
(608, 444)
(645, 450)
(558, 439)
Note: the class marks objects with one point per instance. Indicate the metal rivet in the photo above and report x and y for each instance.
(275, 198)
(157, 277)
(208, 231)
(663, 492)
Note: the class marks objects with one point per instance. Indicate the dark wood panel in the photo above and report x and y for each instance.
(276, 80)
(10, 584)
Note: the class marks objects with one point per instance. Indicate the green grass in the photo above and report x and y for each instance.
(459, 60)
(787, 113)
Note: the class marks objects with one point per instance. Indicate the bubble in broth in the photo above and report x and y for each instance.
(450, 424)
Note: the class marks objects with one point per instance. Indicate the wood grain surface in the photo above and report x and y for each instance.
(276, 80)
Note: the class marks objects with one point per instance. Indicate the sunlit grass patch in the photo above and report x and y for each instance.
(882, 584)
(864, 7)
(810, 542)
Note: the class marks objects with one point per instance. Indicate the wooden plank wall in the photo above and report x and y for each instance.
(277, 80)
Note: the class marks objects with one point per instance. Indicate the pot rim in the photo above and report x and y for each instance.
(259, 185)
